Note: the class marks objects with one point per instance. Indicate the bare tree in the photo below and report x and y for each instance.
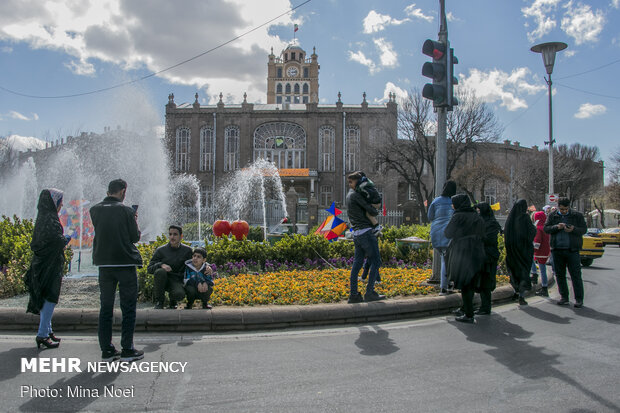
(578, 172)
(472, 178)
(531, 177)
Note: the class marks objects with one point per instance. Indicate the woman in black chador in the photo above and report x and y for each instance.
(519, 233)
(465, 252)
(489, 269)
(44, 276)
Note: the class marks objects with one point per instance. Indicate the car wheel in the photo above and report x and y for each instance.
(586, 262)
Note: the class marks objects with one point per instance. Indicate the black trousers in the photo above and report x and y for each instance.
(127, 281)
(467, 294)
(193, 294)
(164, 281)
(563, 259)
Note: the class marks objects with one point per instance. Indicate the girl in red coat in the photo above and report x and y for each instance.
(541, 250)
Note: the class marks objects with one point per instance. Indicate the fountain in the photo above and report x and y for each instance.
(184, 199)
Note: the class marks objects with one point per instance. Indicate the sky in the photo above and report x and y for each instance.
(52, 48)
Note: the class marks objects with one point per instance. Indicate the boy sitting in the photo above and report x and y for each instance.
(198, 280)
(369, 191)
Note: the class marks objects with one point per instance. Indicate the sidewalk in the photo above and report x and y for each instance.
(250, 318)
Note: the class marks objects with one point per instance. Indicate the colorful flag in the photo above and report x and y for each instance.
(333, 210)
(296, 27)
(331, 228)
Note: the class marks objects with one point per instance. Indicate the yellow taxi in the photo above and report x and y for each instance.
(592, 248)
(610, 236)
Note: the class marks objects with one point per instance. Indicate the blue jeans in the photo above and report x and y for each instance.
(543, 272)
(366, 246)
(443, 284)
(45, 319)
(127, 281)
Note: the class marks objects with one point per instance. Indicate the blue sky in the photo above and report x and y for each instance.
(52, 48)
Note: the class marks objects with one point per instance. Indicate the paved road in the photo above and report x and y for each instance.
(538, 358)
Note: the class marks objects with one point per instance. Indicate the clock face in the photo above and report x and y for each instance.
(291, 71)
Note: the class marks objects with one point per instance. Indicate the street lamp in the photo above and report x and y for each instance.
(548, 51)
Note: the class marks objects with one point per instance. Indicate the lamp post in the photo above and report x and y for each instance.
(548, 51)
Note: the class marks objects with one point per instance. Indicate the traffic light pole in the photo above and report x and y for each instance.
(441, 150)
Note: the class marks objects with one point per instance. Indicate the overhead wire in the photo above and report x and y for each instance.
(139, 79)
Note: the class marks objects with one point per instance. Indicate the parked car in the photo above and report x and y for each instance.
(592, 248)
(610, 236)
(593, 232)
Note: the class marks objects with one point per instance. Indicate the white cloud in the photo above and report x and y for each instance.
(542, 13)
(389, 57)
(499, 86)
(587, 110)
(417, 13)
(361, 58)
(615, 3)
(376, 22)
(129, 35)
(581, 23)
(570, 53)
(451, 17)
(18, 116)
(390, 87)
(6, 49)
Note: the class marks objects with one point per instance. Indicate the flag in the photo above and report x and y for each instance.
(296, 27)
(384, 210)
(495, 207)
(333, 210)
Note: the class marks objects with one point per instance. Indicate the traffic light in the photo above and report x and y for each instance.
(451, 79)
(438, 71)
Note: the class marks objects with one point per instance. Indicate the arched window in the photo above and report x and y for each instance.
(352, 148)
(231, 148)
(283, 143)
(305, 89)
(296, 88)
(206, 149)
(327, 148)
(279, 88)
(287, 89)
(181, 159)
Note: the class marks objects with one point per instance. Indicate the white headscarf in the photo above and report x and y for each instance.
(57, 195)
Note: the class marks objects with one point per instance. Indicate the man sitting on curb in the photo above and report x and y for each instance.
(168, 266)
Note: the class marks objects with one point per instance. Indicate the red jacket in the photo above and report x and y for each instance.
(541, 254)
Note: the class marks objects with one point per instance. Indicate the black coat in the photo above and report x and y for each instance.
(575, 237)
(489, 271)
(519, 236)
(357, 206)
(465, 255)
(44, 277)
(174, 257)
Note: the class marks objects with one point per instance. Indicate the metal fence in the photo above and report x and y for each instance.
(392, 217)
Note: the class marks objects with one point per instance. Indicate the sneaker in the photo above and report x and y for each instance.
(458, 312)
(206, 306)
(464, 319)
(132, 355)
(373, 296)
(444, 292)
(522, 301)
(482, 312)
(110, 355)
(563, 301)
(578, 304)
(544, 292)
(356, 298)
(159, 306)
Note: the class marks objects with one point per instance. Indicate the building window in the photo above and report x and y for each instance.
(296, 99)
(285, 57)
(326, 195)
(279, 72)
(296, 89)
(411, 196)
(352, 148)
(206, 149)
(327, 149)
(490, 193)
(231, 148)
(305, 99)
(279, 99)
(292, 55)
(181, 162)
(283, 143)
(306, 72)
(306, 89)
(287, 89)
(206, 196)
(279, 88)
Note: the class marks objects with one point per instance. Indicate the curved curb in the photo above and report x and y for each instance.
(250, 318)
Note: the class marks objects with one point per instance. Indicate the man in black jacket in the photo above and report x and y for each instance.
(114, 252)
(168, 266)
(366, 244)
(567, 228)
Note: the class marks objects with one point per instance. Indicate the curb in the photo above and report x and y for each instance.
(250, 318)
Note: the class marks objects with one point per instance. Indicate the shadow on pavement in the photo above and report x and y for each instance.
(10, 360)
(596, 315)
(375, 343)
(545, 316)
(511, 346)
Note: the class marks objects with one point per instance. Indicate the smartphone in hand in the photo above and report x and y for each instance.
(135, 208)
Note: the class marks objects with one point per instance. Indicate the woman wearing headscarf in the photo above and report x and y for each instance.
(439, 213)
(466, 252)
(44, 276)
(489, 270)
(542, 250)
(519, 233)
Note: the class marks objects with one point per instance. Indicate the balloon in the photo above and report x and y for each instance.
(221, 227)
(240, 229)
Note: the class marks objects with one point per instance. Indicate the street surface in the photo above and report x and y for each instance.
(542, 357)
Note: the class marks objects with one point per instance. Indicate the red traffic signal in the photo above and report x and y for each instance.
(436, 70)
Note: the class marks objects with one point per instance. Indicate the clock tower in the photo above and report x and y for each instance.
(293, 78)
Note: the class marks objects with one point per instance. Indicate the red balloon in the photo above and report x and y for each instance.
(240, 229)
(221, 227)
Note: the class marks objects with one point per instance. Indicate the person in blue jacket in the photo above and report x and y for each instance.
(439, 213)
(198, 279)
